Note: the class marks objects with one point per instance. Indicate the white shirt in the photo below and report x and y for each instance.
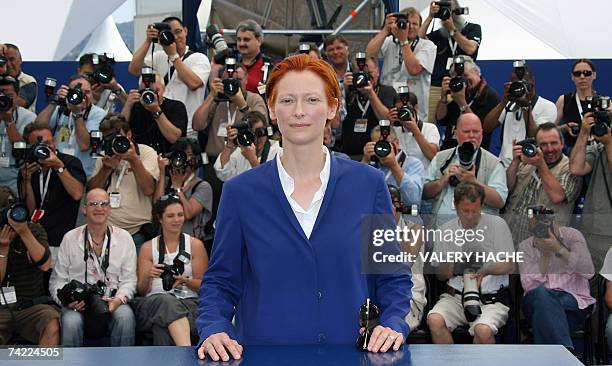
(177, 89)
(514, 128)
(157, 286)
(410, 146)
(306, 218)
(121, 272)
(238, 164)
(394, 72)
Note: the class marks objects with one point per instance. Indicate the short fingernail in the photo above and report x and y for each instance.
(236, 356)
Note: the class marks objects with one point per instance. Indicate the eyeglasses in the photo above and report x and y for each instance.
(585, 73)
(98, 203)
(8, 78)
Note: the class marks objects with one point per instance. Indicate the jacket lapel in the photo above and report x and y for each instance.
(329, 191)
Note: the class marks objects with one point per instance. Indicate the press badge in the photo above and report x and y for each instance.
(115, 200)
(69, 151)
(37, 215)
(361, 125)
(63, 134)
(222, 131)
(9, 294)
(5, 162)
(204, 158)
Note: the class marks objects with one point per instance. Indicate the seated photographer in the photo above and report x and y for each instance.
(170, 271)
(555, 275)
(105, 89)
(468, 162)
(95, 277)
(24, 257)
(414, 246)
(367, 101)
(51, 184)
(154, 120)
(185, 72)
(596, 160)
(464, 91)
(72, 116)
(178, 178)
(247, 147)
(128, 172)
(12, 122)
(539, 175)
(401, 171)
(520, 111)
(417, 138)
(407, 59)
(28, 88)
(476, 292)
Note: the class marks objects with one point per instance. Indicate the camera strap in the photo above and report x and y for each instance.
(231, 117)
(161, 249)
(43, 187)
(120, 177)
(605, 179)
(363, 108)
(105, 252)
(169, 74)
(265, 152)
(476, 161)
(453, 45)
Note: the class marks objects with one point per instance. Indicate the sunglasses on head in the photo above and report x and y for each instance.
(585, 73)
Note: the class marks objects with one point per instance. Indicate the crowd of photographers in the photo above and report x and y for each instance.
(145, 168)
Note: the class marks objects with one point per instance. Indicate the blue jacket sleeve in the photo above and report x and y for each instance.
(222, 285)
(393, 290)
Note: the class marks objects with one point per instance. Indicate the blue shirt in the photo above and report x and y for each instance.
(411, 186)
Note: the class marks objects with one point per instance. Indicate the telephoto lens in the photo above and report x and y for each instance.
(466, 153)
(471, 295)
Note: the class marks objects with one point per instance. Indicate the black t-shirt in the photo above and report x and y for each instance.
(471, 31)
(483, 104)
(61, 210)
(21, 273)
(146, 131)
(353, 142)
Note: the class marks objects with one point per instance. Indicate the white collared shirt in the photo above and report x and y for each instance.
(306, 218)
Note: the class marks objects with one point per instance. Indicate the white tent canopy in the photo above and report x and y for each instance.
(106, 38)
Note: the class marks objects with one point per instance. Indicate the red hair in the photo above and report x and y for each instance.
(300, 63)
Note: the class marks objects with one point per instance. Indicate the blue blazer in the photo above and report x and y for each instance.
(284, 288)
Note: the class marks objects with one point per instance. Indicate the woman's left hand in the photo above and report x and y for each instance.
(179, 279)
(384, 338)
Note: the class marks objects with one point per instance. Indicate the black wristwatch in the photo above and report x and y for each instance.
(157, 114)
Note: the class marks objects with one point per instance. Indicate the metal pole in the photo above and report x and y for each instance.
(267, 13)
(350, 17)
(299, 32)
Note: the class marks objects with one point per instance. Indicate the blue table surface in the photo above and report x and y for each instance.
(422, 354)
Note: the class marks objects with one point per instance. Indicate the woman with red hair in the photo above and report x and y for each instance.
(286, 261)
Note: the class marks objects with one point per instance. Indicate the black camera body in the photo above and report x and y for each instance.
(544, 221)
(165, 38)
(520, 88)
(6, 102)
(467, 156)
(38, 151)
(104, 71)
(75, 95)
(231, 85)
(599, 105)
(458, 82)
(406, 112)
(401, 20)
(361, 78)
(177, 268)
(245, 136)
(115, 142)
(147, 96)
(382, 148)
(446, 11)
(529, 147)
(16, 211)
(97, 314)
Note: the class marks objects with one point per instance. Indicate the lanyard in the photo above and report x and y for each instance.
(362, 107)
(120, 178)
(578, 104)
(105, 252)
(231, 117)
(452, 44)
(45, 188)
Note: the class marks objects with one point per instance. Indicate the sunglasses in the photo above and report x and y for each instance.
(585, 73)
(98, 203)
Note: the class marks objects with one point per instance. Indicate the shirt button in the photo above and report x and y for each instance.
(321, 338)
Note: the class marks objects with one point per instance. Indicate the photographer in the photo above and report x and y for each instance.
(195, 194)
(401, 171)
(520, 115)
(337, 55)
(12, 122)
(595, 159)
(28, 88)
(408, 59)
(72, 116)
(105, 94)
(249, 38)
(129, 176)
(542, 177)
(481, 168)
(489, 280)
(159, 122)
(555, 275)
(237, 158)
(472, 95)
(24, 257)
(170, 271)
(103, 256)
(184, 71)
(51, 185)
(364, 107)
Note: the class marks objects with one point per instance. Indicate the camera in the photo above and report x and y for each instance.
(103, 73)
(382, 147)
(599, 105)
(446, 11)
(218, 42)
(165, 37)
(97, 314)
(178, 160)
(95, 141)
(471, 295)
(396, 196)
(50, 84)
(520, 88)
(458, 82)
(401, 20)
(6, 102)
(467, 155)
(361, 77)
(3, 60)
(36, 152)
(75, 95)
(175, 269)
(406, 112)
(17, 212)
(147, 96)
(245, 136)
(544, 221)
(304, 48)
(231, 86)
(529, 147)
(115, 143)
(147, 75)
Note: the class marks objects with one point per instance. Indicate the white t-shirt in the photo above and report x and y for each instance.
(514, 125)
(409, 144)
(175, 88)
(394, 72)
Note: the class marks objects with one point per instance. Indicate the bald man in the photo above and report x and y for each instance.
(111, 258)
(485, 170)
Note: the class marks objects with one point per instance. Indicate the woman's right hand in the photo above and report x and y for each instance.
(156, 270)
(220, 346)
